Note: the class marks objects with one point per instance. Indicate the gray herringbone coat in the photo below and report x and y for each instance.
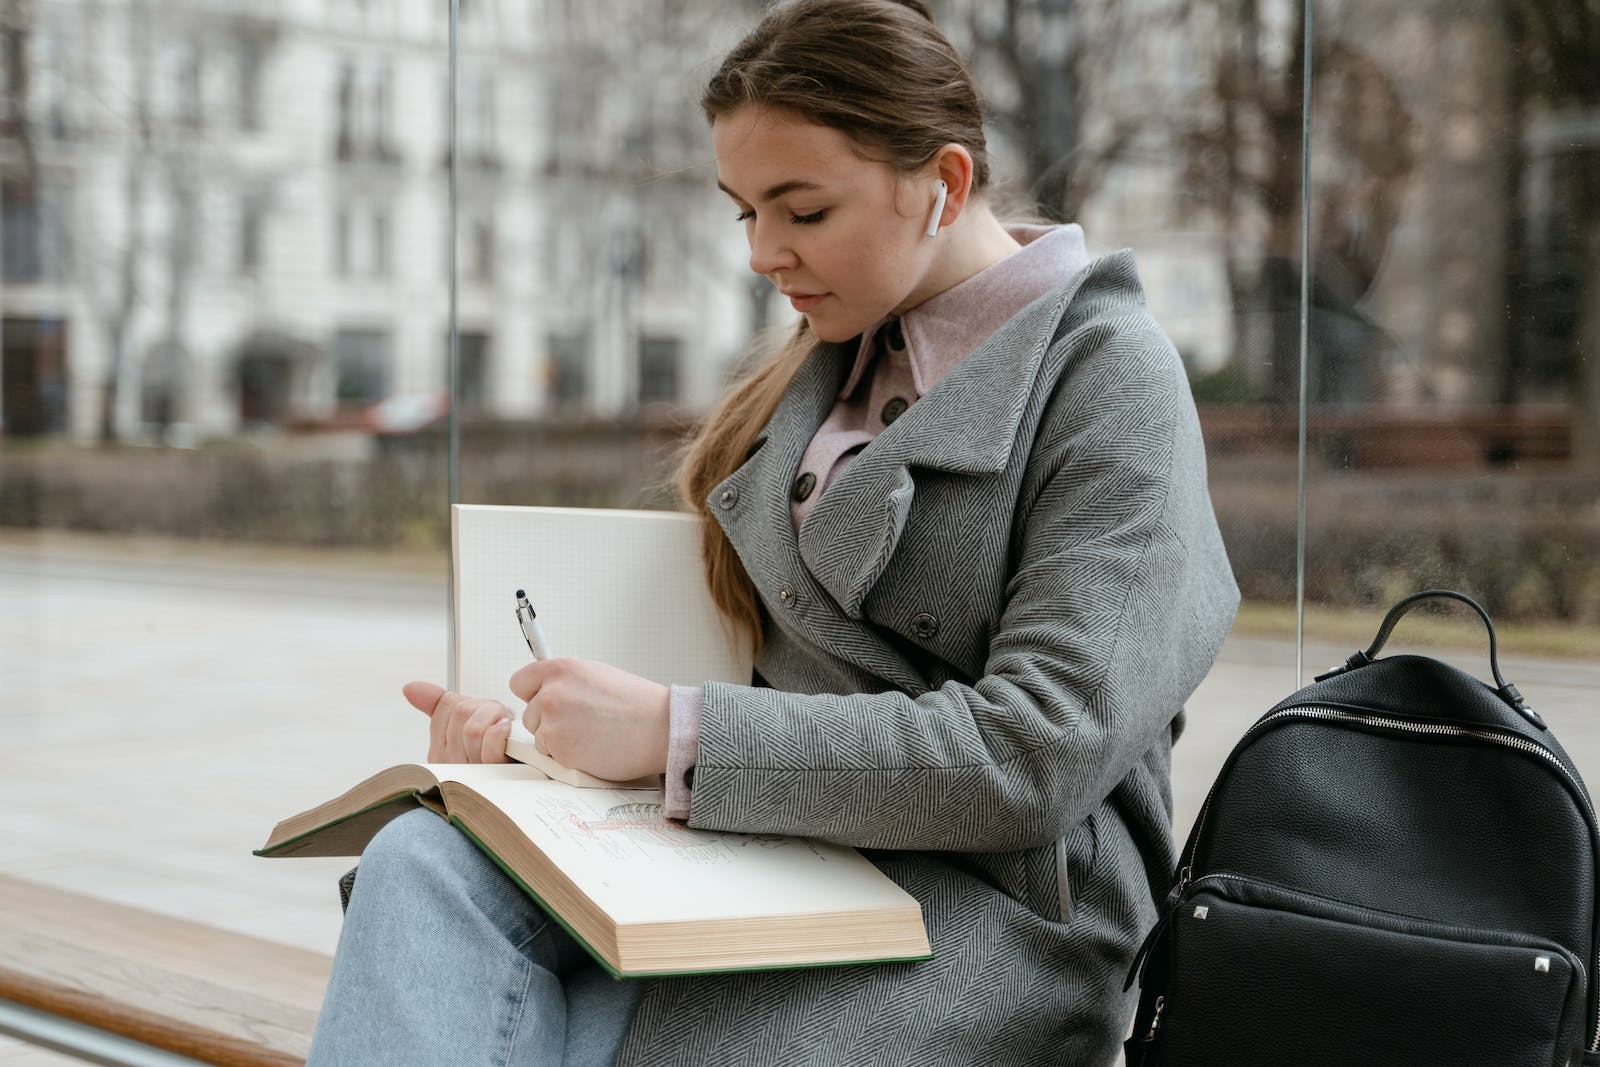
(977, 646)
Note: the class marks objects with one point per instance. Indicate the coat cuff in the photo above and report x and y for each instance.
(683, 748)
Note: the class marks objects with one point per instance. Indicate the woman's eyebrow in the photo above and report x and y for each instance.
(776, 191)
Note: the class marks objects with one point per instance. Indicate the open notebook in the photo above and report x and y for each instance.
(622, 587)
(645, 894)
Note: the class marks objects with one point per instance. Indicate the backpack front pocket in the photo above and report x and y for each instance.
(1266, 975)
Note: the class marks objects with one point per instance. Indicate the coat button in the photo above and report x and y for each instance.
(924, 626)
(893, 410)
(786, 595)
(897, 336)
(803, 486)
(729, 497)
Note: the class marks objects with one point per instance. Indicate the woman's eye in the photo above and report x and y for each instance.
(798, 220)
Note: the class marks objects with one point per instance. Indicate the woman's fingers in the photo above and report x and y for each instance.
(494, 742)
(445, 730)
(487, 723)
(461, 729)
(451, 714)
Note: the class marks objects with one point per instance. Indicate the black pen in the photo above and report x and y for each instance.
(530, 627)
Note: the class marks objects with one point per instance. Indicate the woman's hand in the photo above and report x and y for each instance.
(461, 729)
(596, 718)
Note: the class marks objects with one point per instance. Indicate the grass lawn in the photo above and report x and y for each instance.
(1457, 628)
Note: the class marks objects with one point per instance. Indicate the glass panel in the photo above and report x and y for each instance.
(1455, 421)
(221, 519)
(1175, 130)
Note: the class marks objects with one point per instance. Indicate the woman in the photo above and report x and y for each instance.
(962, 516)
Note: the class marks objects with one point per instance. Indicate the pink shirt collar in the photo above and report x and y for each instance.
(943, 330)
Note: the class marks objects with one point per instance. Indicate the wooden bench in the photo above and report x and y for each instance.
(194, 990)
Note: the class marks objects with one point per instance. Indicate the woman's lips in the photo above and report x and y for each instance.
(803, 304)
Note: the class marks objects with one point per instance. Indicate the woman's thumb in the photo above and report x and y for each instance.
(424, 696)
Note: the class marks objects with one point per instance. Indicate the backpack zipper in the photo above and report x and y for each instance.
(1522, 744)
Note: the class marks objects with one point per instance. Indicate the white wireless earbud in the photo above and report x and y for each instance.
(938, 207)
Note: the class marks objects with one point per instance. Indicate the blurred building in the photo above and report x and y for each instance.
(221, 214)
(234, 213)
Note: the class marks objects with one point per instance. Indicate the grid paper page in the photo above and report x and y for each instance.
(623, 587)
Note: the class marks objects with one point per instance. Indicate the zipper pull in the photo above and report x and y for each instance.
(1155, 1020)
(1355, 662)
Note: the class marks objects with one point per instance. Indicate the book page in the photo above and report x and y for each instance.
(623, 587)
(476, 776)
(641, 867)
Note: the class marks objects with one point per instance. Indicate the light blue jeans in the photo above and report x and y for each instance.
(444, 960)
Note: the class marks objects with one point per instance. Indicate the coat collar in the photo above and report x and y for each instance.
(944, 329)
(967, 425)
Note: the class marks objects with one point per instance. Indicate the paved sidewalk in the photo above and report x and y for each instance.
(165, 713)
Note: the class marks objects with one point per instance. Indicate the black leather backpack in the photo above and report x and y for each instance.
(1396, 865)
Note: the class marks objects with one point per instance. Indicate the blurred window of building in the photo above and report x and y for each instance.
(33, 376)
(252, 224)
(476, 243)
(33, 228)
(481, 262)
(361, 366)
(364, 102)
(249, 59)
(363, 240)
(266, 367)
(48, 64)
(188, 82)
(13, 77)
(473, 352)
(568, 371)
(381, 244)
(161, 383)
(476, 130)
(345, 111)
(380, 102)
(185, 244)
(658, 369)
(341, 242)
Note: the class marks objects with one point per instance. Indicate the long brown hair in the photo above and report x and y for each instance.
(880, 72)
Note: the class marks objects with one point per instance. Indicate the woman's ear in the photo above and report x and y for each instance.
(952, 165)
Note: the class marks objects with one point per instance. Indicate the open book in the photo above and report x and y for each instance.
(646, 895)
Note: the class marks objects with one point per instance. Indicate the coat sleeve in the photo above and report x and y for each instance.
(1117, 603)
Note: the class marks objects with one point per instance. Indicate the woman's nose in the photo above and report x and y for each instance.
(769, 251)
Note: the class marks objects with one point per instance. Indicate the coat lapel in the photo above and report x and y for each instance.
(756, 516)
(966, 424)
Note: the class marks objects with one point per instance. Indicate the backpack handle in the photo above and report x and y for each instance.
(1506, 690)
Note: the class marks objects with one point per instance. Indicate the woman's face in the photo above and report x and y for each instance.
(825, 226)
